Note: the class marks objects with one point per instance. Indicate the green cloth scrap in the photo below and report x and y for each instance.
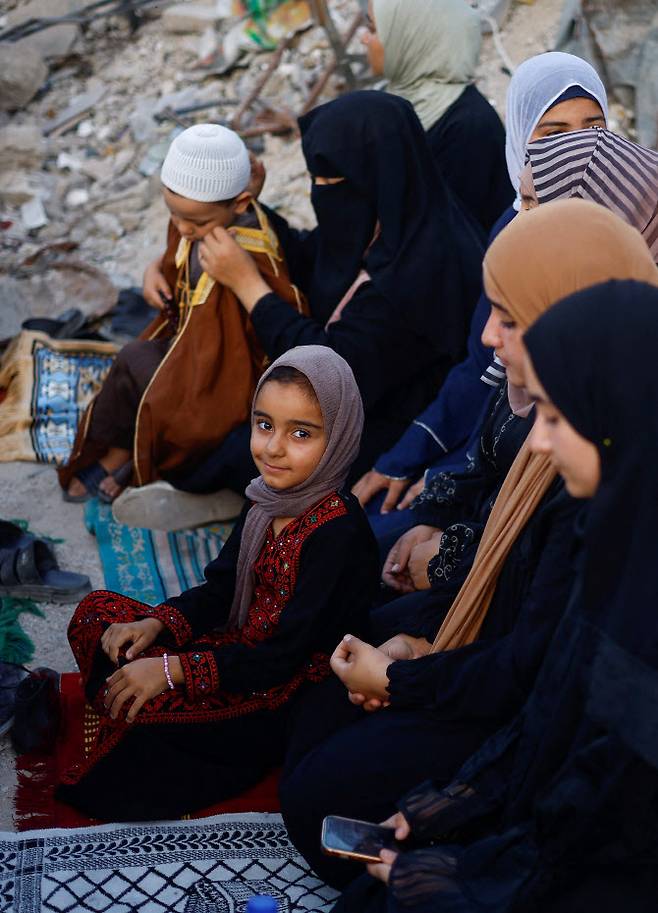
(15, 645)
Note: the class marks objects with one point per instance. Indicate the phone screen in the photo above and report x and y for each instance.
(359, 838)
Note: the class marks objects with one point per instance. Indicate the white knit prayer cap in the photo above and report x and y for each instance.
(207, 163)
(535, 87)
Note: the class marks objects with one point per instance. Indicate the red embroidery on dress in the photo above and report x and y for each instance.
(203, 700)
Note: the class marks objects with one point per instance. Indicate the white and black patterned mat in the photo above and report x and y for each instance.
(213, 865)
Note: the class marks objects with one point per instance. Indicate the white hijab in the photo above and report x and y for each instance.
(431, 51)
(535, 87)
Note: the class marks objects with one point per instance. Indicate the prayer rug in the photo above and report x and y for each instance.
(209, 866)
(48, 384)
(150, 565)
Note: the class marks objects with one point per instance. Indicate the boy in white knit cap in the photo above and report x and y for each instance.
(174, 394)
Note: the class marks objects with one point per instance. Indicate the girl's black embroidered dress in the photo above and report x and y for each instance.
(225, 728)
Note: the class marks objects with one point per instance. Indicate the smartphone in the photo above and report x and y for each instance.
(352, 839)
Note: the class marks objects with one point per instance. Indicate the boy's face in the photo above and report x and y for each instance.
(194, 220)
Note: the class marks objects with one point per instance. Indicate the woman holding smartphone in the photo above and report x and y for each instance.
(558, 811)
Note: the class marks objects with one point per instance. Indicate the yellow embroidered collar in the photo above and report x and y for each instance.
(260, 240)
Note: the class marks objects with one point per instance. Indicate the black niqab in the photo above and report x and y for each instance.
(426, 259)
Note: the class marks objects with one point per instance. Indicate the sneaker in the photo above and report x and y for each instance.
(161, 506)
(10, 677)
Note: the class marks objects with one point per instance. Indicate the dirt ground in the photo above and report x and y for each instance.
(30, 491)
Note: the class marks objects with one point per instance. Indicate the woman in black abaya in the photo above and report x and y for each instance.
(558, 813)
(392, 271)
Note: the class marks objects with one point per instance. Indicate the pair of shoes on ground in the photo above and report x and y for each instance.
(29, 569)
(161, 506)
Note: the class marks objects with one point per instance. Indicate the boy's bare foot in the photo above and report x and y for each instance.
(76, 489)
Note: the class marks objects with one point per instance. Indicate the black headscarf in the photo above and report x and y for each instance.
(427, 257)
(604, 382)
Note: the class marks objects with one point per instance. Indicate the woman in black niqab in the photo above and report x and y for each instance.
(376, 144)
(392, 272)
(558, 813)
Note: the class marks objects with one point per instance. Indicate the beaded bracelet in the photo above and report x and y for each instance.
(165, 660)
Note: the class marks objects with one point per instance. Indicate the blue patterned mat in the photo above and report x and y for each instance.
(147, 564)
(48, 384)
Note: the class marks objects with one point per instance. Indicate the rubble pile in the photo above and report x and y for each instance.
(86, 116)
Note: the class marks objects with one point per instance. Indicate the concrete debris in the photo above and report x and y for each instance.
(54, 42)
(21, 145)
(77, 197)
(189, 17)
(33, 214)
(22, 73)
(76, 109)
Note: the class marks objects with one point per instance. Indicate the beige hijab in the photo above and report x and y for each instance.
(540, 258)
(431, 51)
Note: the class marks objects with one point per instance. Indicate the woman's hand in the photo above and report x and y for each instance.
(141, 634)
(361, 667)
(420, 557)
(396, 572)
(223, 259)
(155, 285)
(141, 680)
(382, 870)
(372, 482)
(412, 493)
(400, 647)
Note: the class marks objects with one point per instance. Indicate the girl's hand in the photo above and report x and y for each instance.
(223, 259)
(141, 634)
(382, 870)
(361, 668)
(155, 285)
(141, 680)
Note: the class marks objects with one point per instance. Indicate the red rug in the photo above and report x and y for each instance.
(38, 775)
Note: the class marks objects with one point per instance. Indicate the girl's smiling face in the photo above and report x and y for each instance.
(288, 437)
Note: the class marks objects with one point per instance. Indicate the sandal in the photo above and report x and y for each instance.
(67, 326)
(12, 537)
(32, 572)
(91, 477)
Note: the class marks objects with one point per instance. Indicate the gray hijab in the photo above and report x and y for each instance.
(431, 51)
(342, 412)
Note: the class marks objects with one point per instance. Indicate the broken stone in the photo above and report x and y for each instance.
(68, 161)
(76, 109)
(33, 214)
(108, 224)
(189, 17)
(77, 197)
(21, 146)
(16, 188)
(22, 73)
(56, 41)
(85, 129)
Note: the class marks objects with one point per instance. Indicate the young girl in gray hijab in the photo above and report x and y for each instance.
(196, 692)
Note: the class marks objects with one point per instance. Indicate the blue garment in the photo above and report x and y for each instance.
(440, 436)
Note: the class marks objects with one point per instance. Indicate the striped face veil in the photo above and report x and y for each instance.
(537, 85)
(600, 166)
